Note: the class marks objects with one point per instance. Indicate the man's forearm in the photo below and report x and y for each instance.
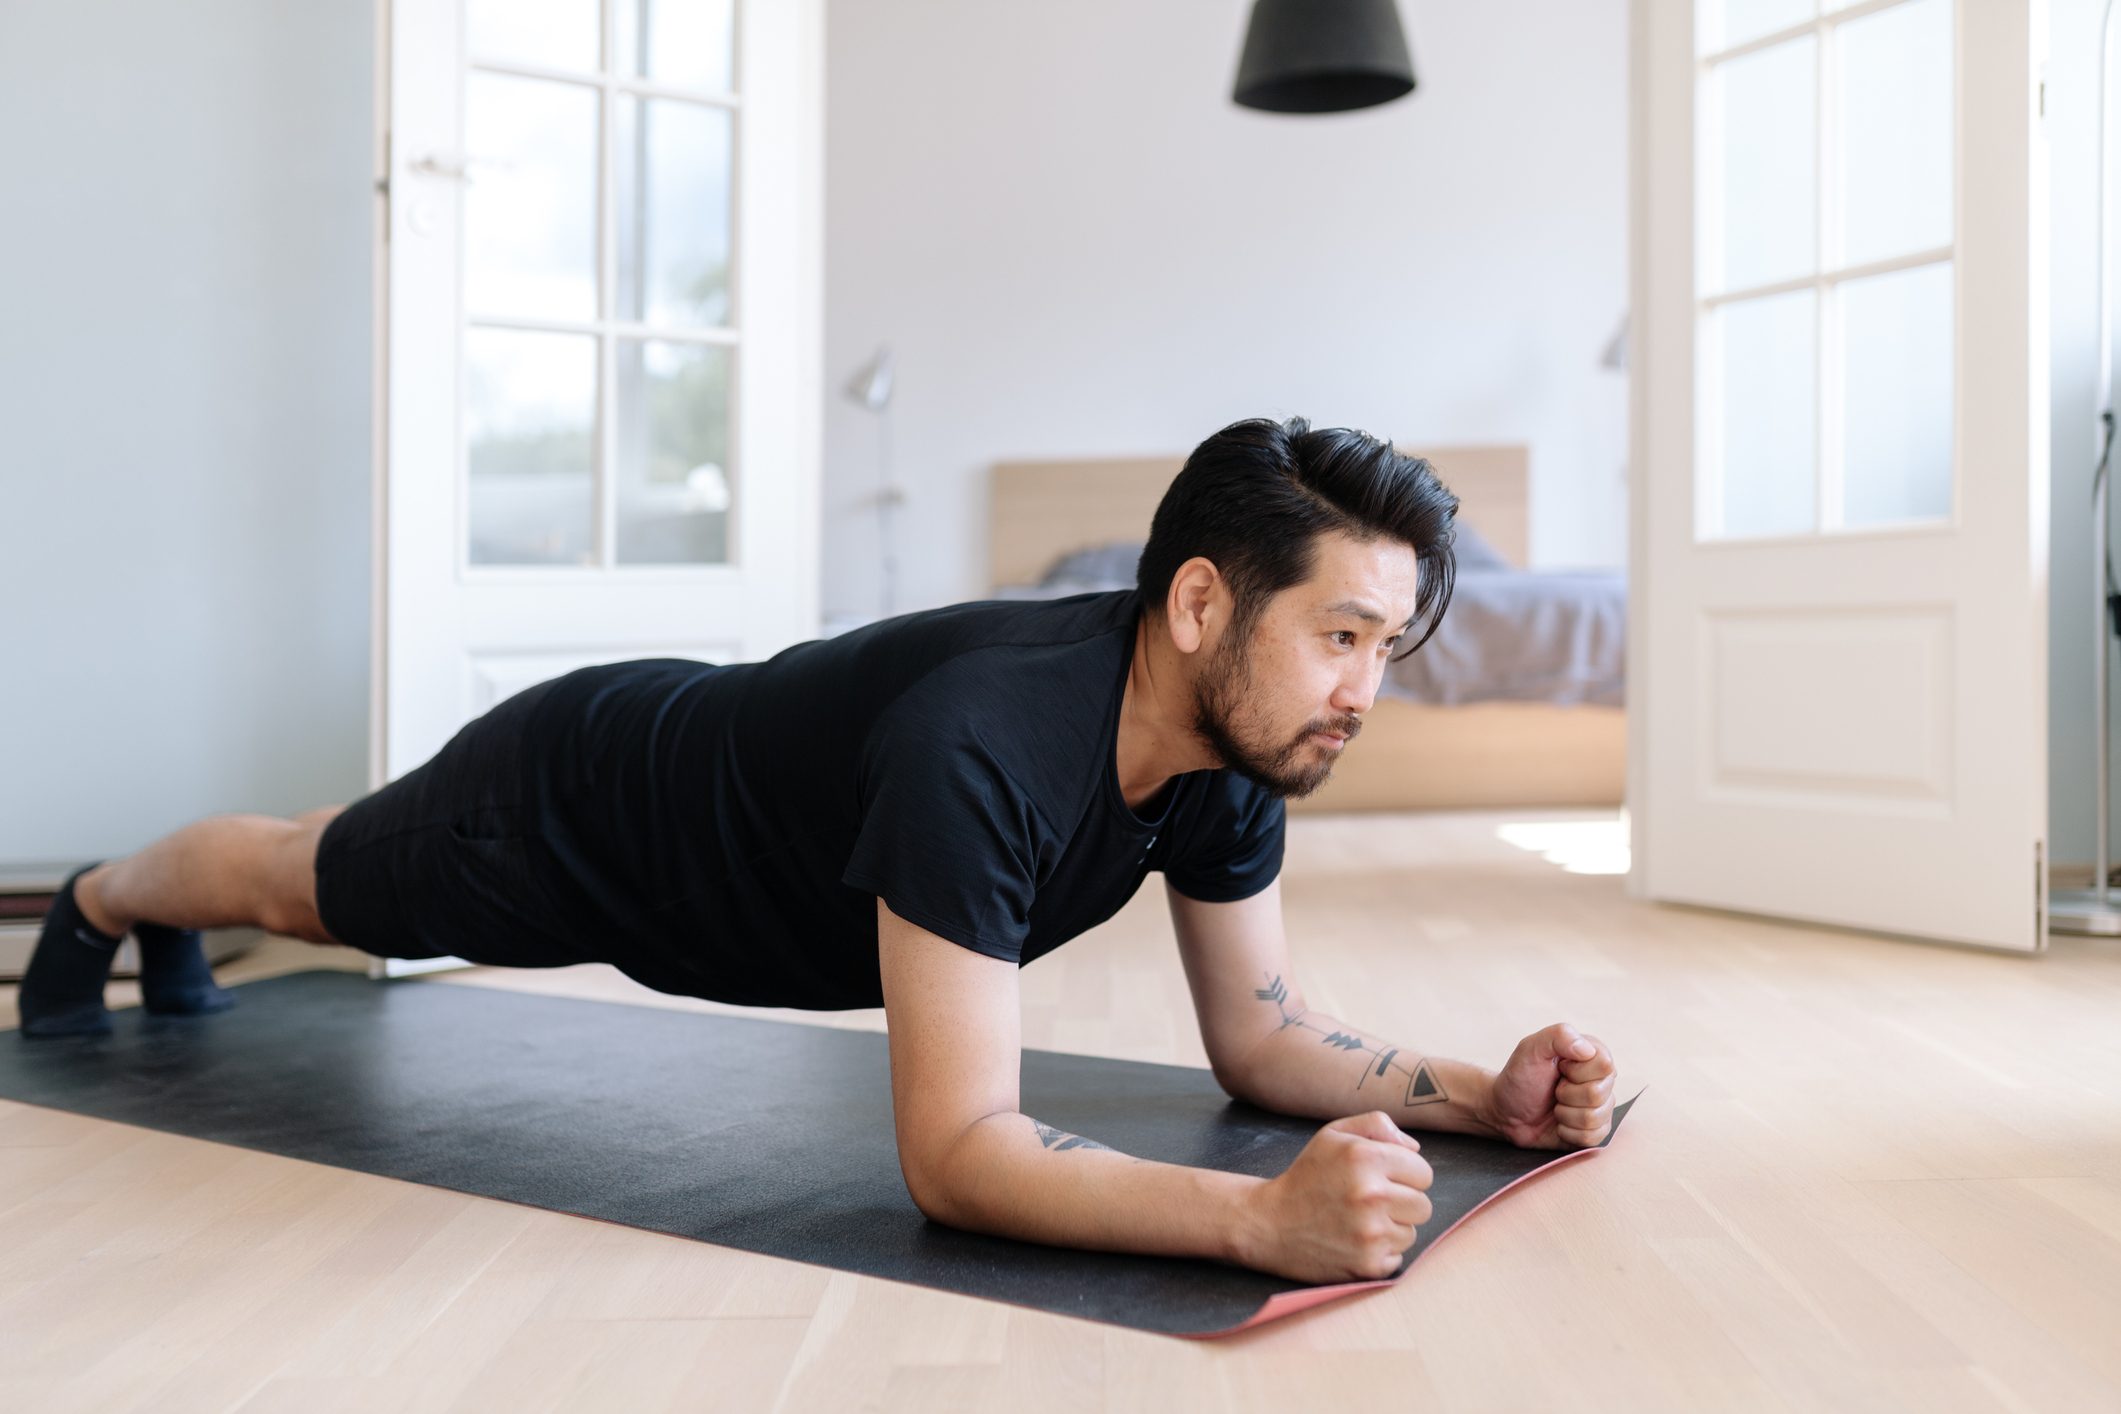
(1320, 1067)
(1014, 1176)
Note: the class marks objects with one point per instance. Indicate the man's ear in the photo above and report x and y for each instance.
(1196, 605)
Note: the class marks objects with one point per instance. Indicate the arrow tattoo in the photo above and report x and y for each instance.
(1423, 1086)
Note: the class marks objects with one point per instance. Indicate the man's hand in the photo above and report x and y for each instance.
(1346, 1209)
(1555, 1091)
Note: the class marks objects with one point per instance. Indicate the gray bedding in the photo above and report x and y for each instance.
(1555, 636)
(1511, 635)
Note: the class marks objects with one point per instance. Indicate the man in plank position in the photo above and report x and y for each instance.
(905, 815)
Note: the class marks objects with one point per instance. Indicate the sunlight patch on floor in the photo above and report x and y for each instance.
(1578, 846)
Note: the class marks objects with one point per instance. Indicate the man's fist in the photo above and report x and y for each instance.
(1555, 1091)
(1346, 1208)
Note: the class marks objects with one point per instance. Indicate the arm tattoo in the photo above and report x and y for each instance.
(1058, 1139)
(1423, 1086)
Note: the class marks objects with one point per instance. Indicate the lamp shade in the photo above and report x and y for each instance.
(871, 384)
(1323, 56)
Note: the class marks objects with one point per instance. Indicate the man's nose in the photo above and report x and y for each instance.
(1357, 691)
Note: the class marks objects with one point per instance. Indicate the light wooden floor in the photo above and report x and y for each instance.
(1867, 1175)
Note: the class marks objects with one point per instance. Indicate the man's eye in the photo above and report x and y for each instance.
(1391, 643)
(1345, 638)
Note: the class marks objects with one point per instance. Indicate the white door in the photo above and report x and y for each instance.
(1838, 699)
(604, 344)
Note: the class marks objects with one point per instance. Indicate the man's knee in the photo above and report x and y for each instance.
(289, 905)
(293, 918)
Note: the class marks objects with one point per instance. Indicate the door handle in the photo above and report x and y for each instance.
(454, 166)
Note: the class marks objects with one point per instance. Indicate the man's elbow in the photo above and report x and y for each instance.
(1235, 1079)
(1235, 1066)
(926, 1182)
(930, 1172)
(926, 1196)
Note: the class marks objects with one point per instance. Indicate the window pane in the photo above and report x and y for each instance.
(673, 218)
(1767, 390)
(1764, 161)
(530, 211)
(530, 438)
(686, 42)
(1719, 24)
(1897, 402)
(552, 34)
(674, 482)
(1896, 105)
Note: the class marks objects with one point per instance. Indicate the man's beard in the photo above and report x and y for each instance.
(1218, 699)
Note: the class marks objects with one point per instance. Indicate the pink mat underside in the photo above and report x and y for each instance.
(1290, 1302)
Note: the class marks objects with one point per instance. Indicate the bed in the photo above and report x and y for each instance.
(1515, 702)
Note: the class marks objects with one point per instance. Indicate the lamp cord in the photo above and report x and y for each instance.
(885, 492)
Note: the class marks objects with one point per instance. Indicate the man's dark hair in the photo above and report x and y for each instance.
(1255, 497)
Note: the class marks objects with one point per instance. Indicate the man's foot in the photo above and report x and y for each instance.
(62, 992)
(175, 977)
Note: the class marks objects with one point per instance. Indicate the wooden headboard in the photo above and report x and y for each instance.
(1041, 510)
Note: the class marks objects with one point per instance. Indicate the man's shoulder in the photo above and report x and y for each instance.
(870, 671)
(1019, 624)
(1035, 703)
(1010, 656)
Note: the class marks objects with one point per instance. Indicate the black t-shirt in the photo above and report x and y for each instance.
(729, 829)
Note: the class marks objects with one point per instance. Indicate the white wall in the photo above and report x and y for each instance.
(184, 414)
(2073, 131)
(1077, 245)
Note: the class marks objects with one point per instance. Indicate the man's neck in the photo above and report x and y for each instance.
(1156, 737)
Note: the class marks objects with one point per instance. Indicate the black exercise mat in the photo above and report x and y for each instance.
(761, 1135)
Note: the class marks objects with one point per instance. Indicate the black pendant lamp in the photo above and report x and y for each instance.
(1323, 56)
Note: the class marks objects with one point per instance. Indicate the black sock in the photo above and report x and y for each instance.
(175, 978)
(62, 992)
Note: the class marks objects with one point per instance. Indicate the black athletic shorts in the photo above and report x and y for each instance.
(449, 860)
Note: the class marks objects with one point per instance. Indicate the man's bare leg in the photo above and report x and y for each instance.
(226, 871)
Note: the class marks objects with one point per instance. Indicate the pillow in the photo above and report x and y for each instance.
(1473, 550)
(1099, 567)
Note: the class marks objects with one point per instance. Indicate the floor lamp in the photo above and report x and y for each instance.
(871, 388)
(2096, 910)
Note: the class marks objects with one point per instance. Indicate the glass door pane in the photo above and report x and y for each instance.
(1766, 354)
(545, 34)
(1895, 88)
(1896, 419)
(1759, 168)
(684, 43)
(530, 403)
(530, 208)
(674, 188)
(1720, 24)
(674, 484)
